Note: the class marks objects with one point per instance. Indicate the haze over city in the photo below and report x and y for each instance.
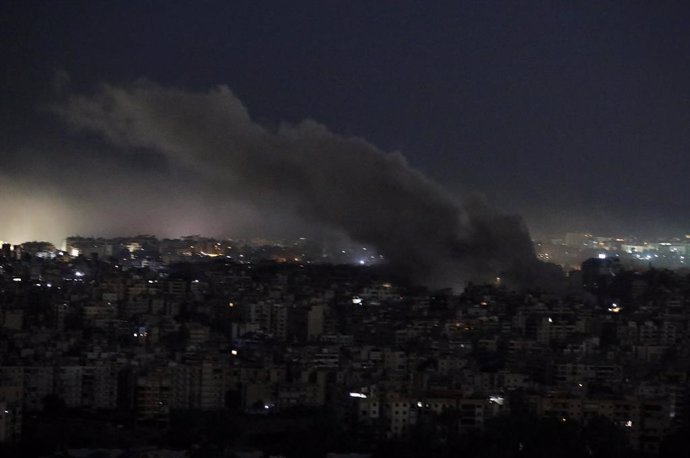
(573, 117)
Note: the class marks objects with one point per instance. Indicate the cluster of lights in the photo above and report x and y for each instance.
(210, 255)
(497, 399)
(615, 308)
(647, 257)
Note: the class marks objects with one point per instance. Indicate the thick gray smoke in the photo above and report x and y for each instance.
(347, 184)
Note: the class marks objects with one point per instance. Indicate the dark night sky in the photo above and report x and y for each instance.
(574, 114)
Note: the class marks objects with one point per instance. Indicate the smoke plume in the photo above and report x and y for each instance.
(346, 184)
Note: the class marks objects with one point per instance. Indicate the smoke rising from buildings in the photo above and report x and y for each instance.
(346, 184)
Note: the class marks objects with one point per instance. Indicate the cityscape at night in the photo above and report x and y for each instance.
(344, 229)
(252, 348)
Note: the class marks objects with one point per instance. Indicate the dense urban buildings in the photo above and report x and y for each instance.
(569, 251)
(203, 347)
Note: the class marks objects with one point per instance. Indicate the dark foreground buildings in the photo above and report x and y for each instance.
(172, 349)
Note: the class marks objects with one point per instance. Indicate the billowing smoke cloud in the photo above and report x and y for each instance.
(57, 188)
(346, 184)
